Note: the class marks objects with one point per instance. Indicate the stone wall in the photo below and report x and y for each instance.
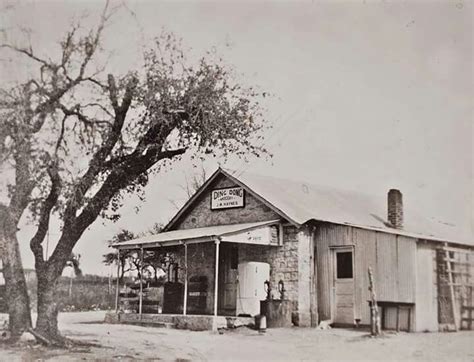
(283, 262)
(307, 310)
(201, 214)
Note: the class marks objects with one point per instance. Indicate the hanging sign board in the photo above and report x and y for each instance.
(227, 198)
(267, 235)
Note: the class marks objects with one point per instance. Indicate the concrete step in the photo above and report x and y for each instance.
(151, 324)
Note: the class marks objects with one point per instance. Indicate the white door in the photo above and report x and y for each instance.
(343, 284)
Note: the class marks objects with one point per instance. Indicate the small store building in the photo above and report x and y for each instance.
(306, 250)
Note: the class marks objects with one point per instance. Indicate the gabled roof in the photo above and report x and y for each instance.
(217, 173)
(300, 202)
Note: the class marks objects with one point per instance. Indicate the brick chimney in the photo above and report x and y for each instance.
(395, 208)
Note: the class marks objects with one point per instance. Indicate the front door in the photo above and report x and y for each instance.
(343, 286)
(228, 266)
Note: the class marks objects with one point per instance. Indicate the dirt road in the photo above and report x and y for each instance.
(133, 342)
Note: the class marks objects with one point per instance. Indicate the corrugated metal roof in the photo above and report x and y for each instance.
(202, 234)
(302, 202)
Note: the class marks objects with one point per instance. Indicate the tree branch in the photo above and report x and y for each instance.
(96, 82)
(81, 117)
(43, 224)
(113, 96)
(118, 179)
(96, 164)
(100, 106)
(61, 135)
(29, 53)
(24, 185)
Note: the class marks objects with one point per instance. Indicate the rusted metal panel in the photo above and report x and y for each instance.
(328, 236)
(394, 263)
(394, 318)
(365, 257)
(324, 272)
(302, 202)
(337, 235)
(406, 252)
(426, 307)
(387, 267)
(392, 257)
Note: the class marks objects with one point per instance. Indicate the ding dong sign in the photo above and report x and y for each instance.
(227, 198)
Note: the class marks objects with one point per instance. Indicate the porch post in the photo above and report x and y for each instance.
(185, 304)
(216, 278)
(118, 282)
(140, 297)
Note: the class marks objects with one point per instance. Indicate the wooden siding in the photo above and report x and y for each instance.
(406, 269)
(390, 318)
(325, 237)
(365, 256)
(426, 307)
(385, 275)
(392, 258)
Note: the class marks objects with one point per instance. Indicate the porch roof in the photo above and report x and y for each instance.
(197, 235)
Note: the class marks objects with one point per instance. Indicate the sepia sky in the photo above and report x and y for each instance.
(366, 95)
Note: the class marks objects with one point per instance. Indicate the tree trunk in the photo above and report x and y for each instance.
(15, 282)
(47, 321)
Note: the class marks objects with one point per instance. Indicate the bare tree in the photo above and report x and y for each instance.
(156, 228)
(191, 183)
(126, 128)
(195, 181)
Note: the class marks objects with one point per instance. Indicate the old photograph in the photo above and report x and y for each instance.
(205, 180)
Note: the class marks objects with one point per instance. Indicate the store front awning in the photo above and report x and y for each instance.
(259, 233)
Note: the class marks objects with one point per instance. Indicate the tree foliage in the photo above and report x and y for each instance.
(154, 261)
(76, 138)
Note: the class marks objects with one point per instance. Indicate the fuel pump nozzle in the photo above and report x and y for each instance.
(268, 289)
(281, 289)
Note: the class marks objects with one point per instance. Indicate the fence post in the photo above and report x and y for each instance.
(374, 310)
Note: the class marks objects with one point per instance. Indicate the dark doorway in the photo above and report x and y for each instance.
(228, 270)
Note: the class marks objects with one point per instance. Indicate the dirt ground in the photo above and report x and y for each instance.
(122, 342)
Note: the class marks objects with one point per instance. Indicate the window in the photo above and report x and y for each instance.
(344, 265)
